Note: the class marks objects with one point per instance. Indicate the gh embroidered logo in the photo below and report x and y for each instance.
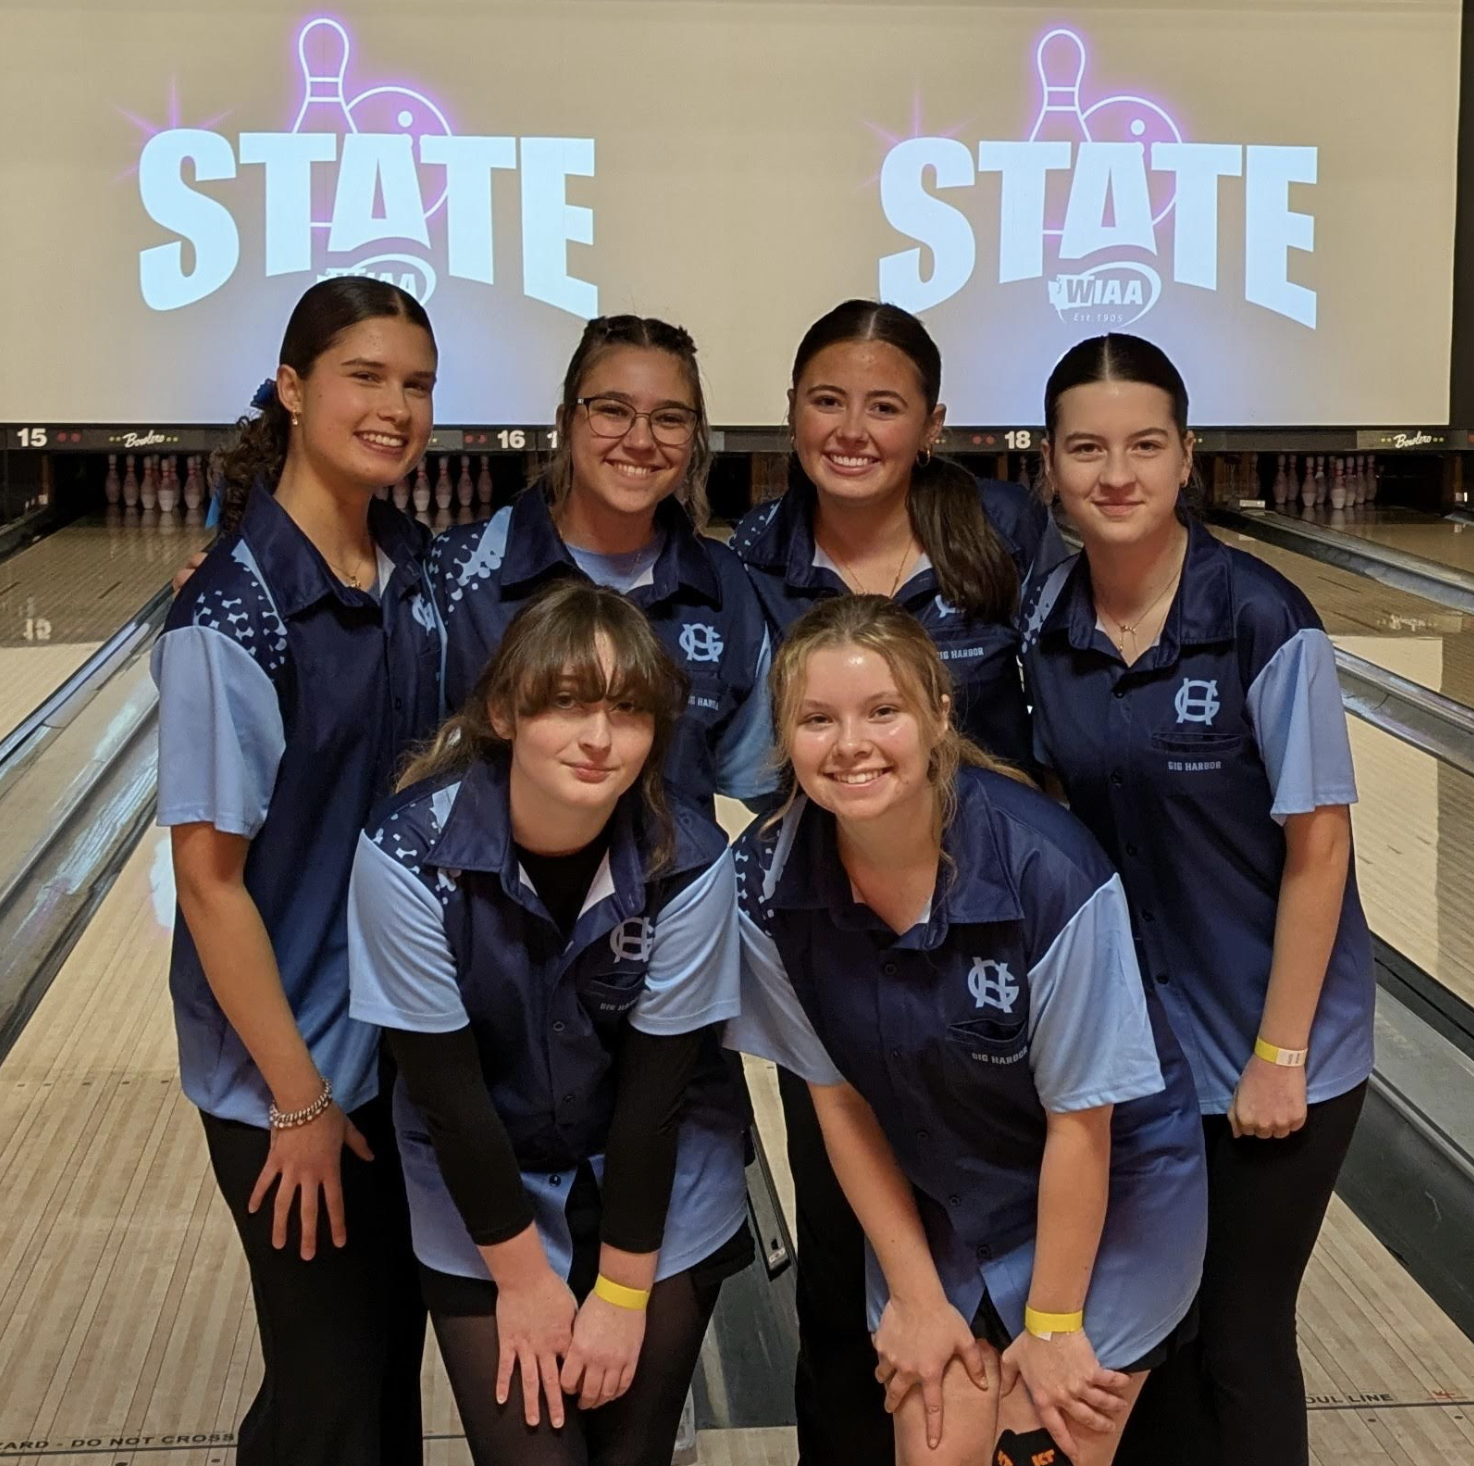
(700, 642)
(632, 940)
(944, 608)
(1196, 701)
(991, 984)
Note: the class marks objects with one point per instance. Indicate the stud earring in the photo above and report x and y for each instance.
(296, 421)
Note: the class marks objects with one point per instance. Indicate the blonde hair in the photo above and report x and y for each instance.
(552, 641)
(878, 624)
(609, 333)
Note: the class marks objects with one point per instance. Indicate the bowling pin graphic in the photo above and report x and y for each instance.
(1060, 60)
(112, 488)
(1338, 486)
(148, 492)
(400, 493)
(483, 481)
(465, 491)
(442, 483)
(322, 50)
(422, 490)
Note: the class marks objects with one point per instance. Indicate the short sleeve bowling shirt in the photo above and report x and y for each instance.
(1185, 766)
(286, 700)
(446, 931)
(694, 592)
(1016, 995)
(776, 543)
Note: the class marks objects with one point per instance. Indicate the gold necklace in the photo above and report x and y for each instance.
(854, 579)
(351, 581)
(1130, 629)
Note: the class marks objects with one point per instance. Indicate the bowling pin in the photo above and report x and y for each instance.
(148, 491)
(465, 515)
(1371, 478)
(1338, 486)
(112, 488)
(400, 493)
(442, 483)
(1281, 488)
(422, 489)
(1307, 487)
(193, 488)
(465, 491)
(442, 518)
(130, 482)
(483, 481)
(169, 486)
(1322, 489)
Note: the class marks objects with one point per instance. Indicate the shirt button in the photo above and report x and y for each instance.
(558, 1026)
(398, 704)
(1148, 916)
(984, 1253)
(1131, 849)
(923, 1135)
(555, 1180)
(1116, 778)
(1119, 692)
(955, 1200)
(1163, 979)
(567, 1099)
(889, 968)
(895, 1053)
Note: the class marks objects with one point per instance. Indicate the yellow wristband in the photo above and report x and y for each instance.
(1044, 1325)
(1285, 1058)
(635, 1299)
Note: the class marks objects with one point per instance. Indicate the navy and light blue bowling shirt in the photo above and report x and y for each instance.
(1185, 767)
(692, 589)
(285, 701)
(446, 930)
(790, 572)
(1015, 995)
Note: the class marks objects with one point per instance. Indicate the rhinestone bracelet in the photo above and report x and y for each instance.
(290, 1119)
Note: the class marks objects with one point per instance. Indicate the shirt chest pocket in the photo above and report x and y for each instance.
(609, 997)
(1187, 763)
(987, 1042)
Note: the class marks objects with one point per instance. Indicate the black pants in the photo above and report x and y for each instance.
(839, 1404)
(342, 1336)
(637, 1429)
(1237, 1395)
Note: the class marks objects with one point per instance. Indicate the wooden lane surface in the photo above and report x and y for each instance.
(1418, 639)
(125, 1314)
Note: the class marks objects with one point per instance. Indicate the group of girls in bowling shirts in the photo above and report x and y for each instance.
(450, 992)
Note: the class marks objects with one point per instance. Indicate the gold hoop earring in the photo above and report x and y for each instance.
(924, 457)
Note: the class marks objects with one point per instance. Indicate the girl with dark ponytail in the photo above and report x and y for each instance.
(299, 661)
(873, 508)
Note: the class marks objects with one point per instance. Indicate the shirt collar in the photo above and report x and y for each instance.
(296, 570)
(477, 834)
(1201, 613)
(975, 886)
(536, 549)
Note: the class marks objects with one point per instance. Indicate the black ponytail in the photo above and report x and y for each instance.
(255, 456)
(974, 570)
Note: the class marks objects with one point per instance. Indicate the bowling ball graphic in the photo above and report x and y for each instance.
(398, 109)
(1136, 120)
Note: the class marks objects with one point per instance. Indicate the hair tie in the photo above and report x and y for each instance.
(265, 395)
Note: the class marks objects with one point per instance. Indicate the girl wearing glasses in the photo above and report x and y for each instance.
(623, 504)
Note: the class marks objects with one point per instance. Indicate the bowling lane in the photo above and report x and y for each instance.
(1447, 542)
(66, 594)
(1418, 639)
(1414, 831)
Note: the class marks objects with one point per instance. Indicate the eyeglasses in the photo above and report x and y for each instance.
(611, 417)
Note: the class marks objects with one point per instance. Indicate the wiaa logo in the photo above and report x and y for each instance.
(1115, 294)
(375, 183)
